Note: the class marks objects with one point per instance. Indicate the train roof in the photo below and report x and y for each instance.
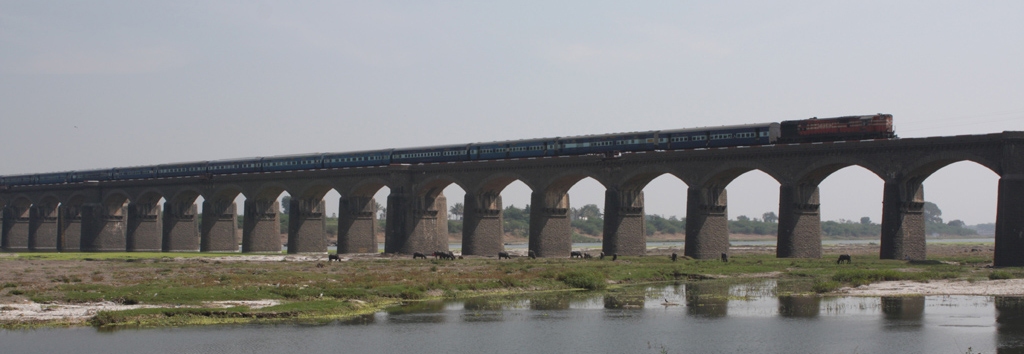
(361, 152)
(865, 116)
(432, 147)
(721, 127)
(244, 159)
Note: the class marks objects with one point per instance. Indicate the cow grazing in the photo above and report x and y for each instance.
(725, 257)
(575, 254)
(602, 255)
(333, 257)
(416, 255)
(674, 257)
(503, 255)
(532, 255)
(844, 258)
(587, 256)
(615, 256)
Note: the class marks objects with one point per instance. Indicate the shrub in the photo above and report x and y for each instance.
(826, 286)
(585, 280)
(1000, 274)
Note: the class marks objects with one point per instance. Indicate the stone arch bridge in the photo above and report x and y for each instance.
(124, 215)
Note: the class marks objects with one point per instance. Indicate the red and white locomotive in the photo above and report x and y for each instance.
(878, 126)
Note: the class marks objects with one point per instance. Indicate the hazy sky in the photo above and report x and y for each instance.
(97, 84)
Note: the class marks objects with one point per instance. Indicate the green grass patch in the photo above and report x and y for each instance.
(583, 280)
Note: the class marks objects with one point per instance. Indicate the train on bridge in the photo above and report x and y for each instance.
(877, 126)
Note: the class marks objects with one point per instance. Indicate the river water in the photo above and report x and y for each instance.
(711, 317)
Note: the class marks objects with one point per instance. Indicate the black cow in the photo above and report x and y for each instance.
(503, 255)
(532, 254)
(576, 254)
(844, 258)
(615, 256)
(416, 255)
(333, 257)
(602, 255)
(674, 257)
(587, 256)
(725, 257)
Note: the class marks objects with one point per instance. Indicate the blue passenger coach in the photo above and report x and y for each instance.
(706, 137)
(53, 178)
(223, 167)
(357, 159)
(431, 154)
(731, 135)
(293, 162)
(181, 169)
(135, 172)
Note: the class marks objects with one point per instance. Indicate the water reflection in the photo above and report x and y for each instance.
(359, 320)
(799, 306)
(624, 301)
(549, 302)
(483, 309)
(619, 321)
(903, 312)
(418, 312)
(1010, 324)
(707, 299)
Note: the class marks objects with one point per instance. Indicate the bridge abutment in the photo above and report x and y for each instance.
(625, 230)
(145, 229)
(181, 227)
(261, 231)
(15, 228)
(219, 229)
(707, 223)
(482, 228)
(550, 226)
(903, 234)
(103, 229)
(799, 222)
(1009, 248)
(357, 225)
(43, 234)
(415, 224)
(307, 227)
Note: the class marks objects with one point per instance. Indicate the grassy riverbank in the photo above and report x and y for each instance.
(306, 288)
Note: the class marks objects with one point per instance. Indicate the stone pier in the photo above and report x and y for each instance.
(15, 228)
(145, 229)
(550, 226)
(70, 224)
(799, 222)
(307, 226)
(357, 225)
(181, 227)
(482, 229)
(1010, 222)
(707, 224)
(261, 231)
(43, 235)
(903, 221)
(219, 229)
(625, 230)
(414, 224)
(104, 229)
